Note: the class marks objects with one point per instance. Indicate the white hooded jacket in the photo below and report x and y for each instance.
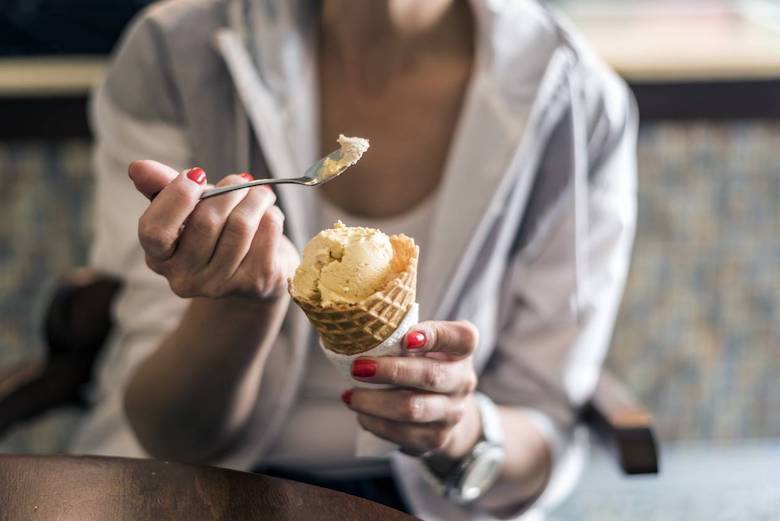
(530, 238)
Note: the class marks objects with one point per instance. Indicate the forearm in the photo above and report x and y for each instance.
(192, 397)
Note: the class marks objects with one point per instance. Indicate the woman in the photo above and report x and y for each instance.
(498, 142)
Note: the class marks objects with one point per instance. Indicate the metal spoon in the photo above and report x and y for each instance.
(319, 173)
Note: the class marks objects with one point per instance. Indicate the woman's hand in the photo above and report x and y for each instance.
(231, 245)
(432, 408)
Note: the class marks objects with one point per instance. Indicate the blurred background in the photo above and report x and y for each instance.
(698, 336)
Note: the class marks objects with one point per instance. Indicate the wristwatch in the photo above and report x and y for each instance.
(478, 470)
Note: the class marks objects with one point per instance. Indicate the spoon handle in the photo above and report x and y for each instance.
(257, 182)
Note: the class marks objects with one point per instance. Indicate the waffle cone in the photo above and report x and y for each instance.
(357, 328)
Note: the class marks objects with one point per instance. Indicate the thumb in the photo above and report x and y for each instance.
(150, 177)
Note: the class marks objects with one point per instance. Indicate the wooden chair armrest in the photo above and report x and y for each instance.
(12, 378)
(78, 318)
(623, 425)
(30, 389)
(77, 323)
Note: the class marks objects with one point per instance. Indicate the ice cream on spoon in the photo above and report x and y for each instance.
(351, 149)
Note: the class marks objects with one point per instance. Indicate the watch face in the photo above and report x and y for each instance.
(482, 473)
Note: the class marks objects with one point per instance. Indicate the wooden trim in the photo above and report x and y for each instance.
(50, 75)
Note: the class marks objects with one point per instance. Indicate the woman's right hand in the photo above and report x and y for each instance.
(230, 245)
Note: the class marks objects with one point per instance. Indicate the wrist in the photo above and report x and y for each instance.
(466, 433)
(463, 439)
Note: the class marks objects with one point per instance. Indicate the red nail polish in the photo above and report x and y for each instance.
(346, 396)
(196, 175)
(415, 340)
(363, 368)
(247, 176)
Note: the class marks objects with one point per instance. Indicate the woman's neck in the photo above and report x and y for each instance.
(371, 38)
(385, 20)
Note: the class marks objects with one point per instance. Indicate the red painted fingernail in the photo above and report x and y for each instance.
(415, 340)
(196, 175)
(346, 396)
(363, 368)
(247, 176)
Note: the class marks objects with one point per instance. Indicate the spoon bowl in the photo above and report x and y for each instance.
(326, 169)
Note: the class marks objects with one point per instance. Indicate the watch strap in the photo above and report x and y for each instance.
(491, 420)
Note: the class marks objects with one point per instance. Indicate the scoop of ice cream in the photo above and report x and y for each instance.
(352, 149)
(343, 265)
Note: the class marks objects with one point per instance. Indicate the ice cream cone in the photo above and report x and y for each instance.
(356, 328)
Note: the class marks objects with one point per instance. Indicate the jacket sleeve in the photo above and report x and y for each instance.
(565, 285)
(134, 115)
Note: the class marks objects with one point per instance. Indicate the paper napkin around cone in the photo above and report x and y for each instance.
(368, 445)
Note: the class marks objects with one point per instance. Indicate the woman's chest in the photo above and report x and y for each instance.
(410, 123)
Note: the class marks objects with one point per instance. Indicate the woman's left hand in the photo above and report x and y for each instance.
(431, 407)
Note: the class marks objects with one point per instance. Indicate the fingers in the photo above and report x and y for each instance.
(415, 438)
(427, 374)
(160, 225)
(456, 339)
(205, 225)
(150, 177)
(260, 264)
(240, 230)
(406, 405)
